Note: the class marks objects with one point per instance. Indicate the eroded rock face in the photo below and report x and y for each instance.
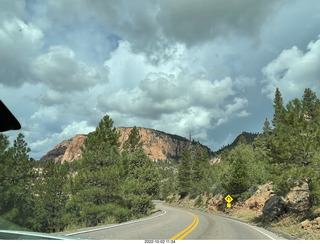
(298, 200)
(295, 202)
(67, 150)
(216, 203)
(157, 145)
(73, 151)
(258, 199)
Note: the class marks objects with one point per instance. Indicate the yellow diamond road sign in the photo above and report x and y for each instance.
(228, 199)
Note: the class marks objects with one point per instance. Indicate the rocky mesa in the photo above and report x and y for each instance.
(158, 145)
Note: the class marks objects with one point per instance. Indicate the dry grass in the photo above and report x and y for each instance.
(292, 227)
(247, 216)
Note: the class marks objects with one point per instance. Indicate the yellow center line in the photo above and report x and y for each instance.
(187, 231)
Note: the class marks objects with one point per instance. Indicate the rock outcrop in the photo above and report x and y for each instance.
(273, 208)
(67, 150)
(295, 202)
(311, 224)
(298, 200)
(157, 145)
(258, 199)
(216, 203)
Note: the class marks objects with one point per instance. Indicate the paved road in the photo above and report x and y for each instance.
(179, 223)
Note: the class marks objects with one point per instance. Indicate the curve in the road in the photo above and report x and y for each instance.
(189, 224)
(185, 232)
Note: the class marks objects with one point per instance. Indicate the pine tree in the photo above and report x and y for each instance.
(185, 173)
(200, 175)
(242, 140)
(295, 144)
(4, 169)
(266, 130)
(96, 187)
(133, 140)
(310, 104)
(51, 197)
(16, 182)
(236, 179)
(278, 108)
(142, 183)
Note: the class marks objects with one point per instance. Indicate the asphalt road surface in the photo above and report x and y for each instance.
(177, 223)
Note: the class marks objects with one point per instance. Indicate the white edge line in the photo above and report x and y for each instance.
(254, 229)
(118, 225)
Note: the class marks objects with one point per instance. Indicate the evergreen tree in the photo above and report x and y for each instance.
(242, 140)
(295, 143)
(16, 181)
(310, 105)
(235, 179)
(266, 130)
(51, 197)
(242, 168)
(96, 186)
(200, 175)
(261, 141)
(278, 108)
(133, 140)
(142, 183)
(4, 168)
(185, 173)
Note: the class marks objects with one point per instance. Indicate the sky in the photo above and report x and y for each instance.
(209, 67)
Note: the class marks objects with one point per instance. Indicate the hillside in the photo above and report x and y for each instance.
(158, 145)
(247, 135)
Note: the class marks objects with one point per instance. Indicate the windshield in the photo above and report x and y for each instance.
(107, 106)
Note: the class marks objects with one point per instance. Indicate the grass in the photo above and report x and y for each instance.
(247, 217)
(292, 227)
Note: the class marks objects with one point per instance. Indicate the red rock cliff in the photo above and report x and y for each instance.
(156, 144)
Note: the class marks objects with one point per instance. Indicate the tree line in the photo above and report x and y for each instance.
(105, 186)
(108, 185)
(286, 153)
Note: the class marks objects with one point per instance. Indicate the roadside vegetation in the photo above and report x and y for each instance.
(105, 186)
(286, 153)
(108, 185)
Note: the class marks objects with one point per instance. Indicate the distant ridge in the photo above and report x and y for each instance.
(247, 135)
(157, 145)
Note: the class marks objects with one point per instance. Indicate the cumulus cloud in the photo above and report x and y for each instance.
(62, 72)
(19, 43)
(293, 71)
(175, 66)
(155, 27)
(177, 102)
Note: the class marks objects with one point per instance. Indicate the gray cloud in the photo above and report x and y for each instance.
(192, 23)
(155, 27)
(19, 43)
(170, 65)
(60, 71)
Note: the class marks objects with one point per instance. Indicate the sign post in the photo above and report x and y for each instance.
(228, 199)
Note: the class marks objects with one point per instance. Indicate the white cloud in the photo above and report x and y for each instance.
(293, 71)
(43, 145)
(62, 72)
(176, 104)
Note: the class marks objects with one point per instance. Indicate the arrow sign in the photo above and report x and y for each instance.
(228, 199)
